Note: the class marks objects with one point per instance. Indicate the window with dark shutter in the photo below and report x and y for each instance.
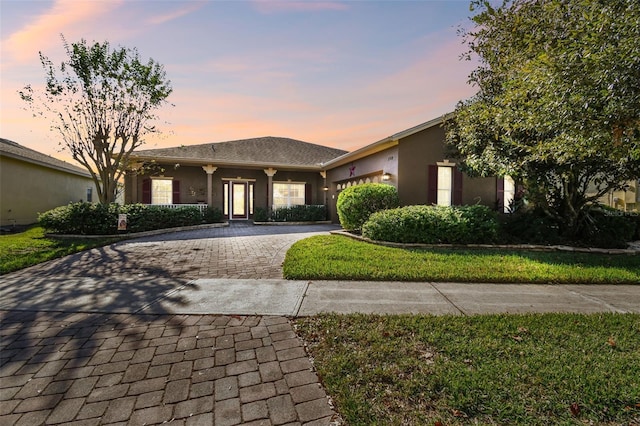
(432, 184)
(146, 191)
(500, 193)
(308, 195)
(176, 192)
(457, 187)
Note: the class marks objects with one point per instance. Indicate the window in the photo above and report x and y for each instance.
(89, 195)
(286, 194)
(161, 191)
(444, 186)
(509, 193)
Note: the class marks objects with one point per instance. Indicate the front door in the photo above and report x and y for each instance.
(238, 197)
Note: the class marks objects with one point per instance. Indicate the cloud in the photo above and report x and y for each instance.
(270, 6)
(42, 32)
(175, 14)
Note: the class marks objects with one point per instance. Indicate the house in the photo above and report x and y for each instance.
(32, 183)
(236, 176)
(416, 162)
(271, 172)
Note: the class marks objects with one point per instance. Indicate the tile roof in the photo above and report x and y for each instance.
(266, 151)
(15, 150)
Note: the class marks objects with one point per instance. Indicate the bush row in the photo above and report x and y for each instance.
(599, 227)
(434, 225)
(102, 219)
(301, 213)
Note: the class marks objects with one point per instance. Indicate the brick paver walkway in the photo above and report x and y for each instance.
(239, 251)
(90, 368)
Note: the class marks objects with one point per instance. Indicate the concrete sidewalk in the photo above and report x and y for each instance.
(153, 295)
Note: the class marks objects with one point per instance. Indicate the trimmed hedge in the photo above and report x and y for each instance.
(356, 203)
(101, 219)
(301, 213)
(434, 225)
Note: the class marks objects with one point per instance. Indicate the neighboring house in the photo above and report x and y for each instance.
(236, 176)
(626, 200)
(271, 172)
(32, 183)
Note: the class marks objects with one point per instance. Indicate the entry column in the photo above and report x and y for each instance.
(270, 172)
(209, 169)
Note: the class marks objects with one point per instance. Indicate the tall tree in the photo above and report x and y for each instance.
(558, 105)
(102, 102)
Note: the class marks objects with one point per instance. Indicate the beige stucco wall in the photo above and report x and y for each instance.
(27, 189)
(385, 161)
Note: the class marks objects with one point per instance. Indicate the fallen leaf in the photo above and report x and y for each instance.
(575, 409)
(458, 413)
(438, 423)
(517, 338)
(523, 330)
(611, 342)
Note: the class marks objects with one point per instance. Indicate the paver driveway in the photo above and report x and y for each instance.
(90, 368)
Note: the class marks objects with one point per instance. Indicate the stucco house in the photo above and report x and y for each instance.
(235, 176)
(32, 183)
(239, 176)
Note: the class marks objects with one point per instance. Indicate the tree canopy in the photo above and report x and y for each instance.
(558, 101)
(102, 103)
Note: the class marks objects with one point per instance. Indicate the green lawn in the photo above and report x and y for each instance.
(491, 369)
(335, 257)
(31, 247)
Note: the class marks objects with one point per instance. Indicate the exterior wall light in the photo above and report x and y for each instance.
(386, 177)
(325, 188)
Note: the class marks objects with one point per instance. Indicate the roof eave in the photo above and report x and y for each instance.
(382, 144)
(45, 164)
(226, 163)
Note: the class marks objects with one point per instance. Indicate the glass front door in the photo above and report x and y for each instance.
(239, 200)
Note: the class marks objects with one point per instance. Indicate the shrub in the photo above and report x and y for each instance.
(434, 225)
(531, 226)
(260, 214)
(356, 203)
(101, 219)
(608, 228)
(212, 215)
(301, 213)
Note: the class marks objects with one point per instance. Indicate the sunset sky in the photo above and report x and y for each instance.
(336, 73)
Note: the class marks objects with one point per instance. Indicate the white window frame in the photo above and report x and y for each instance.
(286, 194)
(509, 188)
(157, 197)
(445, 185)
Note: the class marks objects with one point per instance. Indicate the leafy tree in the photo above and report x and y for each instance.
(102, 102)
(558, 105)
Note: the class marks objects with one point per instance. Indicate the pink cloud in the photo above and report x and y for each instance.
(187, 9)
(43, 32)
(270, 6)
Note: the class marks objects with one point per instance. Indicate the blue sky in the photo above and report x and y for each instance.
(337, 73)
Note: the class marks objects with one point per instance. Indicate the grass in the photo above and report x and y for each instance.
(341, 258)
(18, 251)
(491, 369)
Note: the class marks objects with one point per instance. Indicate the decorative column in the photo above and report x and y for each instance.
(270, 172)
(209, 169)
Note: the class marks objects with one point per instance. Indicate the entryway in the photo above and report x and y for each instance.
(238, 199)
